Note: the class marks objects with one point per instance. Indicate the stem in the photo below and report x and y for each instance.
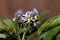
(19, 37)
(17, 34)
(23, 38)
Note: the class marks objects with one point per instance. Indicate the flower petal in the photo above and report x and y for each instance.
(18, 13)
(34, 11)
(23, 17)
(28, 14)
(14, 19)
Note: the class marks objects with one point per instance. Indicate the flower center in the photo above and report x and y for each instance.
(35, 17)
(28, 19)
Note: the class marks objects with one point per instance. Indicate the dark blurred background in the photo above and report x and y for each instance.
(9, 7)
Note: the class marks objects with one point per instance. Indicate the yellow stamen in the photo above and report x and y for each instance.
(35, 17)
(28, 20)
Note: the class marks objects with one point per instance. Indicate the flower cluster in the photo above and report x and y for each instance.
(29, 17)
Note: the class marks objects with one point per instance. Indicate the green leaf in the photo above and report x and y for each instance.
(3, 28)
(3, 35)
(8, 22)
(22, 30)
(48, 24)
(27, 28)
(17, 28)
(50, 34)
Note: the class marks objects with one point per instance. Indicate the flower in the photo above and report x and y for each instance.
(18, 13)
(34, 13)
(28, 16)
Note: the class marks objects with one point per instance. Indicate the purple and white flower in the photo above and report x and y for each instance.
(18, 14)
(34, 13)
(29, 14)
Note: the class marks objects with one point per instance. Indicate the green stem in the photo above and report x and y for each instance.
(23, 38)
(19, 37)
